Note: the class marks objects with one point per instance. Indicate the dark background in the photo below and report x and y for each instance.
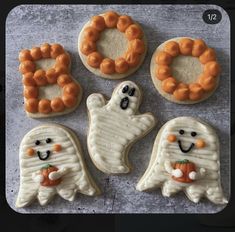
(11, 221)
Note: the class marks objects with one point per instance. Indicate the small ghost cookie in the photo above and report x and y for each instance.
(114, 126)
(112, 46)
(51, 163)
(185, 70)
(185, 157)
(49, 88)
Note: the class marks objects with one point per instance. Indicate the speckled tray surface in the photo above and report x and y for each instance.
(28, 26)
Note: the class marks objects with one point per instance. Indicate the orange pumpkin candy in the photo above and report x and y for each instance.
(45, 171)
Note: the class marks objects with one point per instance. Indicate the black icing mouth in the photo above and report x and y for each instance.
(185, 150)
(43, 157)
(124, 103)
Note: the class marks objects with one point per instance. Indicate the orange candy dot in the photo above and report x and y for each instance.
(57, 147)
(163, 58)
(186, 46)
(208, 83)
(44, 106)
(172, 48)
(25, 55)
(111, 19)
(171, 138)
(31, 105)
(56, 50)
(28, 79)
(163, 72)
(51, 76)
(107, 66)
(169, 85)
(57, 104)
(94, 59)
(91, 34)
(98, 23)
(36, 53)
(196, 92)
(182, 92)
(30, 151)
(46, 50)
(124, 22)
(137, 45)
(207, 55)
(40, 77)
(200, 143)
(63, 59)
(212, 68)
(132, 58)
(133, 32)
(88, 47)
(30, 92)
(63, 80)
(199, 47)
(69, 100)
(71, 89)
(121, 66)
(27, 66)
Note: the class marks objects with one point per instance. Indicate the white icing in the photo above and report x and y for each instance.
(113, 130)
(206, 178)
(71, 167)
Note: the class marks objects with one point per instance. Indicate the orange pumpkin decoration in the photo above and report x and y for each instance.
(45, 171)
(186, 167)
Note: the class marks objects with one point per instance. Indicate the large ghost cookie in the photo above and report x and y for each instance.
(115, 125)
(185, 157)
(51, 163)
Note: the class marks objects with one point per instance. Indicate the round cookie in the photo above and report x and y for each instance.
(112, 46)
(184, 70)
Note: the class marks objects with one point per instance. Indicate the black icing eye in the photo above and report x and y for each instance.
(48, 152)
(131, 92)
(181, 132)
(193, 134)
(125, 89)
(37, 142)
(48, 140)
(38, 153)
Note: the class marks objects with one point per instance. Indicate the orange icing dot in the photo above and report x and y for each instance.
(91, 33)
(163, 71)
(69, 100)
(98, 23)
(171, 138)
(88, 47)
(30, 151)
(36, 53)
(51, 76)
(196, 91)
(71, 89)
(207, 55)
(57, 104)
(182, 92)
(94, 59)
(133, 32)
(44, 106)
(40, 77)
(107, 66)
(56, 49)
(212, 68)
(30, 92)
(63, 79)
(208, 83)
(46, 50)
(200, 143)
(172, 48)
(163, 58)
(25, 55)
(124, 22)
(121, 66)
(63, 59)
(199, 47)
(31, 105)
(28, 79)
(186, 46)
(132, 58)
(111, 19)
(57, 147)
(60, 68)
(169, 85)
(27, 66)
(137, 45)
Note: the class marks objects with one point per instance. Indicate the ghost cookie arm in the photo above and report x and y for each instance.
(174, 172)
(145, 121)
(37, 177)
(95, 101)
(58, 174)
(197, 175)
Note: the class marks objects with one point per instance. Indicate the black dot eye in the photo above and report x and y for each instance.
(131, 92)
(48, 152)
(181, 132)
(37, 142)
(48, 140)
(193, 133)
(38, 153)
(125, 89)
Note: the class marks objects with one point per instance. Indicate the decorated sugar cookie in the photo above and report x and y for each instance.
(114, 126)
(51, 163)
(185, 157)
(185, 70)
(111, 45)
(49, 88)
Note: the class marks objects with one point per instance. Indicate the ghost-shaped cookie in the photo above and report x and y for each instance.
(51, 163)
(185, 157)
(114, 126)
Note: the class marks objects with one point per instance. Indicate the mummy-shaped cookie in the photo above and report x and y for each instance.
(51, 163)
(114, 126)
(185, 157)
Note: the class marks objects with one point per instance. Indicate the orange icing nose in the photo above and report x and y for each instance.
(88, 47)
(132, 58)
(91, 34)
(30, 151)
(133, 32)
(107, 66)
(182, 92)
(137, 45)
(163, 71)
(186, 46)
(123, 23)
(172, 48)
(207, 55)
(57, 147)
(57, 105)
(94, 59)
(171, 138)
(31, 105)
(199, 47)
(208, 83)
(111, 19)
(212, 68)
(121, 66)
(200, 143)
(169, 85)
(44, 106)
(98, 23)
(163, 58)
(196, 92)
